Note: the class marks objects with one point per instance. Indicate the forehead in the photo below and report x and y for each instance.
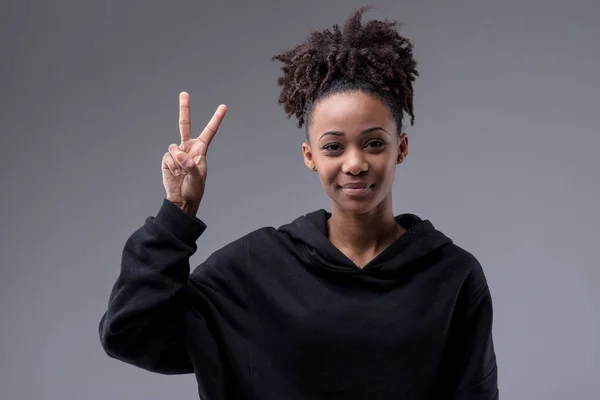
(350, 111)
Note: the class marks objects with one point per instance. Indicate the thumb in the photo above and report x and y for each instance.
(187, 164)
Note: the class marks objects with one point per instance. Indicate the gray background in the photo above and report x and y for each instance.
(503, 158)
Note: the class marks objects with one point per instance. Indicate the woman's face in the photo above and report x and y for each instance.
(354, 144)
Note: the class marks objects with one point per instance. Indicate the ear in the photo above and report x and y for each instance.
(402, 148)
(308, 156)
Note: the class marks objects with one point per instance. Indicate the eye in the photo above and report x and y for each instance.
(332, 147)
(376, 143)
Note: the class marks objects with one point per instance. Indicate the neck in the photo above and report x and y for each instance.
(367, 233)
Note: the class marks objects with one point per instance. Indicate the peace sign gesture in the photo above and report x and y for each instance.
(184, 165)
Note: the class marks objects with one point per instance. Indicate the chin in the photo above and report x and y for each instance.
(356, 207)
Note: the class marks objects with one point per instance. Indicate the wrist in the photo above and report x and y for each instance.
(181, 225)
(186, 206)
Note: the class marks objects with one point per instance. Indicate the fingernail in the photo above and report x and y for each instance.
(176, 172)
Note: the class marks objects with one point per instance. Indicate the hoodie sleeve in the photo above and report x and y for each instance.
(471, 364)
(145, 323)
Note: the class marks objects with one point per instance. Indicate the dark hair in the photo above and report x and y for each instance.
(370, 57)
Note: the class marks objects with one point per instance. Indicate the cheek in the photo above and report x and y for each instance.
(328, 169)
(384, 167)
(328, 177)
(386, 174)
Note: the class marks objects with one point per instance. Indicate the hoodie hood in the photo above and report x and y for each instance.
(309, 234)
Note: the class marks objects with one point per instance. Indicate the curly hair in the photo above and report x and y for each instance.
(371, 57)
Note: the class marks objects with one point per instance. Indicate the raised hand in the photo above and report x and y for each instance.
(184, 165)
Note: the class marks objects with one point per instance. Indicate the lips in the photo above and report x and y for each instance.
(356, 188)
(356, 185)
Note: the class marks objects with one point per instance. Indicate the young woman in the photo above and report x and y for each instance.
(355, 303)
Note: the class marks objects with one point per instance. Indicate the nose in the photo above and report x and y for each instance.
(355, 163)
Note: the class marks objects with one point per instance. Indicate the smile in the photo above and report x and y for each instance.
(356, 190)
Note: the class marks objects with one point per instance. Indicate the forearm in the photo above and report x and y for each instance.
(144, 322)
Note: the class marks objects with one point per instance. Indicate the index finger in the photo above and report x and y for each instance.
(185, 122)
(213, 125)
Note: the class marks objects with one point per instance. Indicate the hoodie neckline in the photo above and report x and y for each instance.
(312, 231)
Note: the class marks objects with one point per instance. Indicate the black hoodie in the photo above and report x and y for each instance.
(283, 314)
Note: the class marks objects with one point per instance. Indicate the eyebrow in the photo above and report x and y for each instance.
(338, 133)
